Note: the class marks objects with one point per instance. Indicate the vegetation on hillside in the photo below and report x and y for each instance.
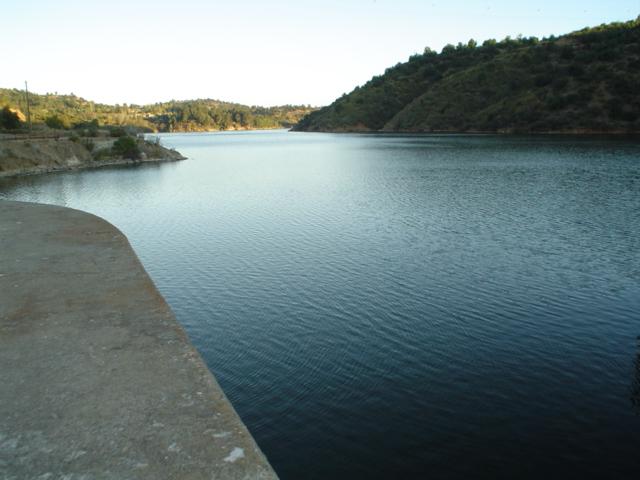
(68, 111)
(584, 81)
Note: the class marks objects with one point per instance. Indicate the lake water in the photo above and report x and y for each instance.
(387, 306)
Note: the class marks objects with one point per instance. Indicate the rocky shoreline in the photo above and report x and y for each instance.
(27, 156)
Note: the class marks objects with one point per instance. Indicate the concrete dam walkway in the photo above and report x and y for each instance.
(97, 378)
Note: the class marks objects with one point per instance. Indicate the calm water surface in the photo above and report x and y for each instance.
(400, 306)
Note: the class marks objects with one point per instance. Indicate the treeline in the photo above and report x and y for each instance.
(67, 111)
(213, 115)
(584, 81)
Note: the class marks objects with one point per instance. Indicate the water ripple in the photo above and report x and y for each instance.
(400, 306)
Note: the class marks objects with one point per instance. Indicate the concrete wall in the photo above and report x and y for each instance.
(97, 378)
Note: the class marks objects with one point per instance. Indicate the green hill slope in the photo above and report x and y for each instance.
(174, 116)
(586, 81)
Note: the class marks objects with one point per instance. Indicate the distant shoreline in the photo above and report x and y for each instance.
(69, 168)
(230, 130)
(575, 133)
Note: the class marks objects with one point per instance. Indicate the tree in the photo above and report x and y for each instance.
(9, 119)
(429, 53)
(448, 49)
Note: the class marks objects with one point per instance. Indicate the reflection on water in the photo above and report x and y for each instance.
(392, 306)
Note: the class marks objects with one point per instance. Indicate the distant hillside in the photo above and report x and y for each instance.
(174, 116)
(586, 81)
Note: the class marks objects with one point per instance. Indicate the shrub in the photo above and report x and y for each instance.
(101, 154)
(9, 119)
(87, 129)
(117, 132)
(560, 83)
(576, 70)
(567, 53)
(55, 122)
(126, 147)
(543, 79)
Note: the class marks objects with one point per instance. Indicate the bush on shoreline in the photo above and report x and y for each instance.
(126, 147)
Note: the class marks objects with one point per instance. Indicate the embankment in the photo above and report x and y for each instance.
(28, 156)
(97, 378)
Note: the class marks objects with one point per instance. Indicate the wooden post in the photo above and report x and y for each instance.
(26, 93)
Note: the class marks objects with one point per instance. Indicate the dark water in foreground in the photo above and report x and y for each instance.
(397, 306)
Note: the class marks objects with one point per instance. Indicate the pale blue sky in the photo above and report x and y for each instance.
(253, 52)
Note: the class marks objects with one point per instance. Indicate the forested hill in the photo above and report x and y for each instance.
(192, 115)
(586, 81)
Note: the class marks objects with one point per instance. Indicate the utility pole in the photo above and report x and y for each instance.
(26, 94)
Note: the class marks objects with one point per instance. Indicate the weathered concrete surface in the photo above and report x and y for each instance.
(97, 379)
